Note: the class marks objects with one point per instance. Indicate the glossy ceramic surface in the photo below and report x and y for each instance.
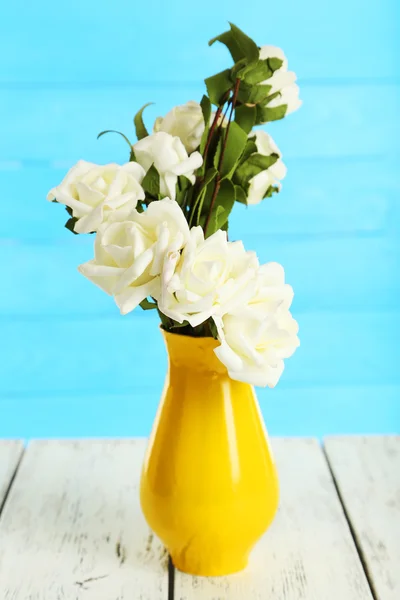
(209, 486)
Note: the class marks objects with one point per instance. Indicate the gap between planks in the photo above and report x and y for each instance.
(73, 520)
(366, 470)
(308, 553)
(11, 452)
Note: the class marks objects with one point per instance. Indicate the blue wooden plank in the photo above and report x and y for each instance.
(120, 355)
(61, 125)
(321, 197)
(167, 41)
(315, 411)
(326, 274)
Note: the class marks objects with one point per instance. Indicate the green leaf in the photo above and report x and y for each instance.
(263, 162)
(132, 155)
(244, 93)
(274, 63)
(252, 73)
(245, 116)
(114, 131)
(218, 85)
(147, 305)
(251, 148)
(141, 131)
(258, 73)
(265, 114)
(206, 110)
(70, 224)
(254, 94)
(247, 46)
(213, 329)
(240, 195)
(151, 182)
(198, 203)
(253, 166)
(240, 69)
(259, 94)
(235, 143)
(273, 189)
(221, 217)
(210, 175)
(176, 325)
(238, 43)
(218, 151)
(183, 185)
(165, 321)
(223, 205)
(228, 40)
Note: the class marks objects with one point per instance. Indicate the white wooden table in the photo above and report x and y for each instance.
(71, 526)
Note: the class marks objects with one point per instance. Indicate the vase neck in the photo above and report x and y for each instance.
(193, 353)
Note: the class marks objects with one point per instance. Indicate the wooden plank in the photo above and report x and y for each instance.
(313, 267)
(367, 472)
(335, 350)
(308, 553)
(313, 200)
(349, 409)
(10, 455)
(73, 529)
(179, 51)
(64, 123)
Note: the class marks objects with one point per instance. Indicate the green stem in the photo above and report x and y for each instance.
(197, 206)
(200, 179)
(214, 125)
(221, 158)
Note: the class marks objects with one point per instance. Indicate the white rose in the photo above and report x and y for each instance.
(184, 121)
(169, 157)
(129, 254)
(259, 184)
(209, 278)
(270, 292)
(95, 192)
(256, 338)
(282, 81)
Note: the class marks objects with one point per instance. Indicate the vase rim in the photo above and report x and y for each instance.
(193, 352)
(182, 335)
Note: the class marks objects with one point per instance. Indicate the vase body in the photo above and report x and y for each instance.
(209, 486)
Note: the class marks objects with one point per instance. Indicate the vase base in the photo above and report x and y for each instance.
(207, 569)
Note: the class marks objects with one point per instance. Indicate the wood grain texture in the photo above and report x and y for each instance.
(179, 51)
(312, 266)
(335, 350)
(308, 554)
(367, 472)
(72, 527)
(312, 202)
(10, 454)
(33, 122)
(289, 411)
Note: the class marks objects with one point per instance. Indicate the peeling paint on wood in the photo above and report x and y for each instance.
(10, 455)
(308, 554)
(72, 527)
(367, 472)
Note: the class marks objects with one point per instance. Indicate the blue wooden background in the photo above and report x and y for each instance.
(69, 364)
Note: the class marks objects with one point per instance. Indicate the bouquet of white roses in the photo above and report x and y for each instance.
(161, 220)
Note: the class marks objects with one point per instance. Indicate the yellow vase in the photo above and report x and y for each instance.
(209, 486)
